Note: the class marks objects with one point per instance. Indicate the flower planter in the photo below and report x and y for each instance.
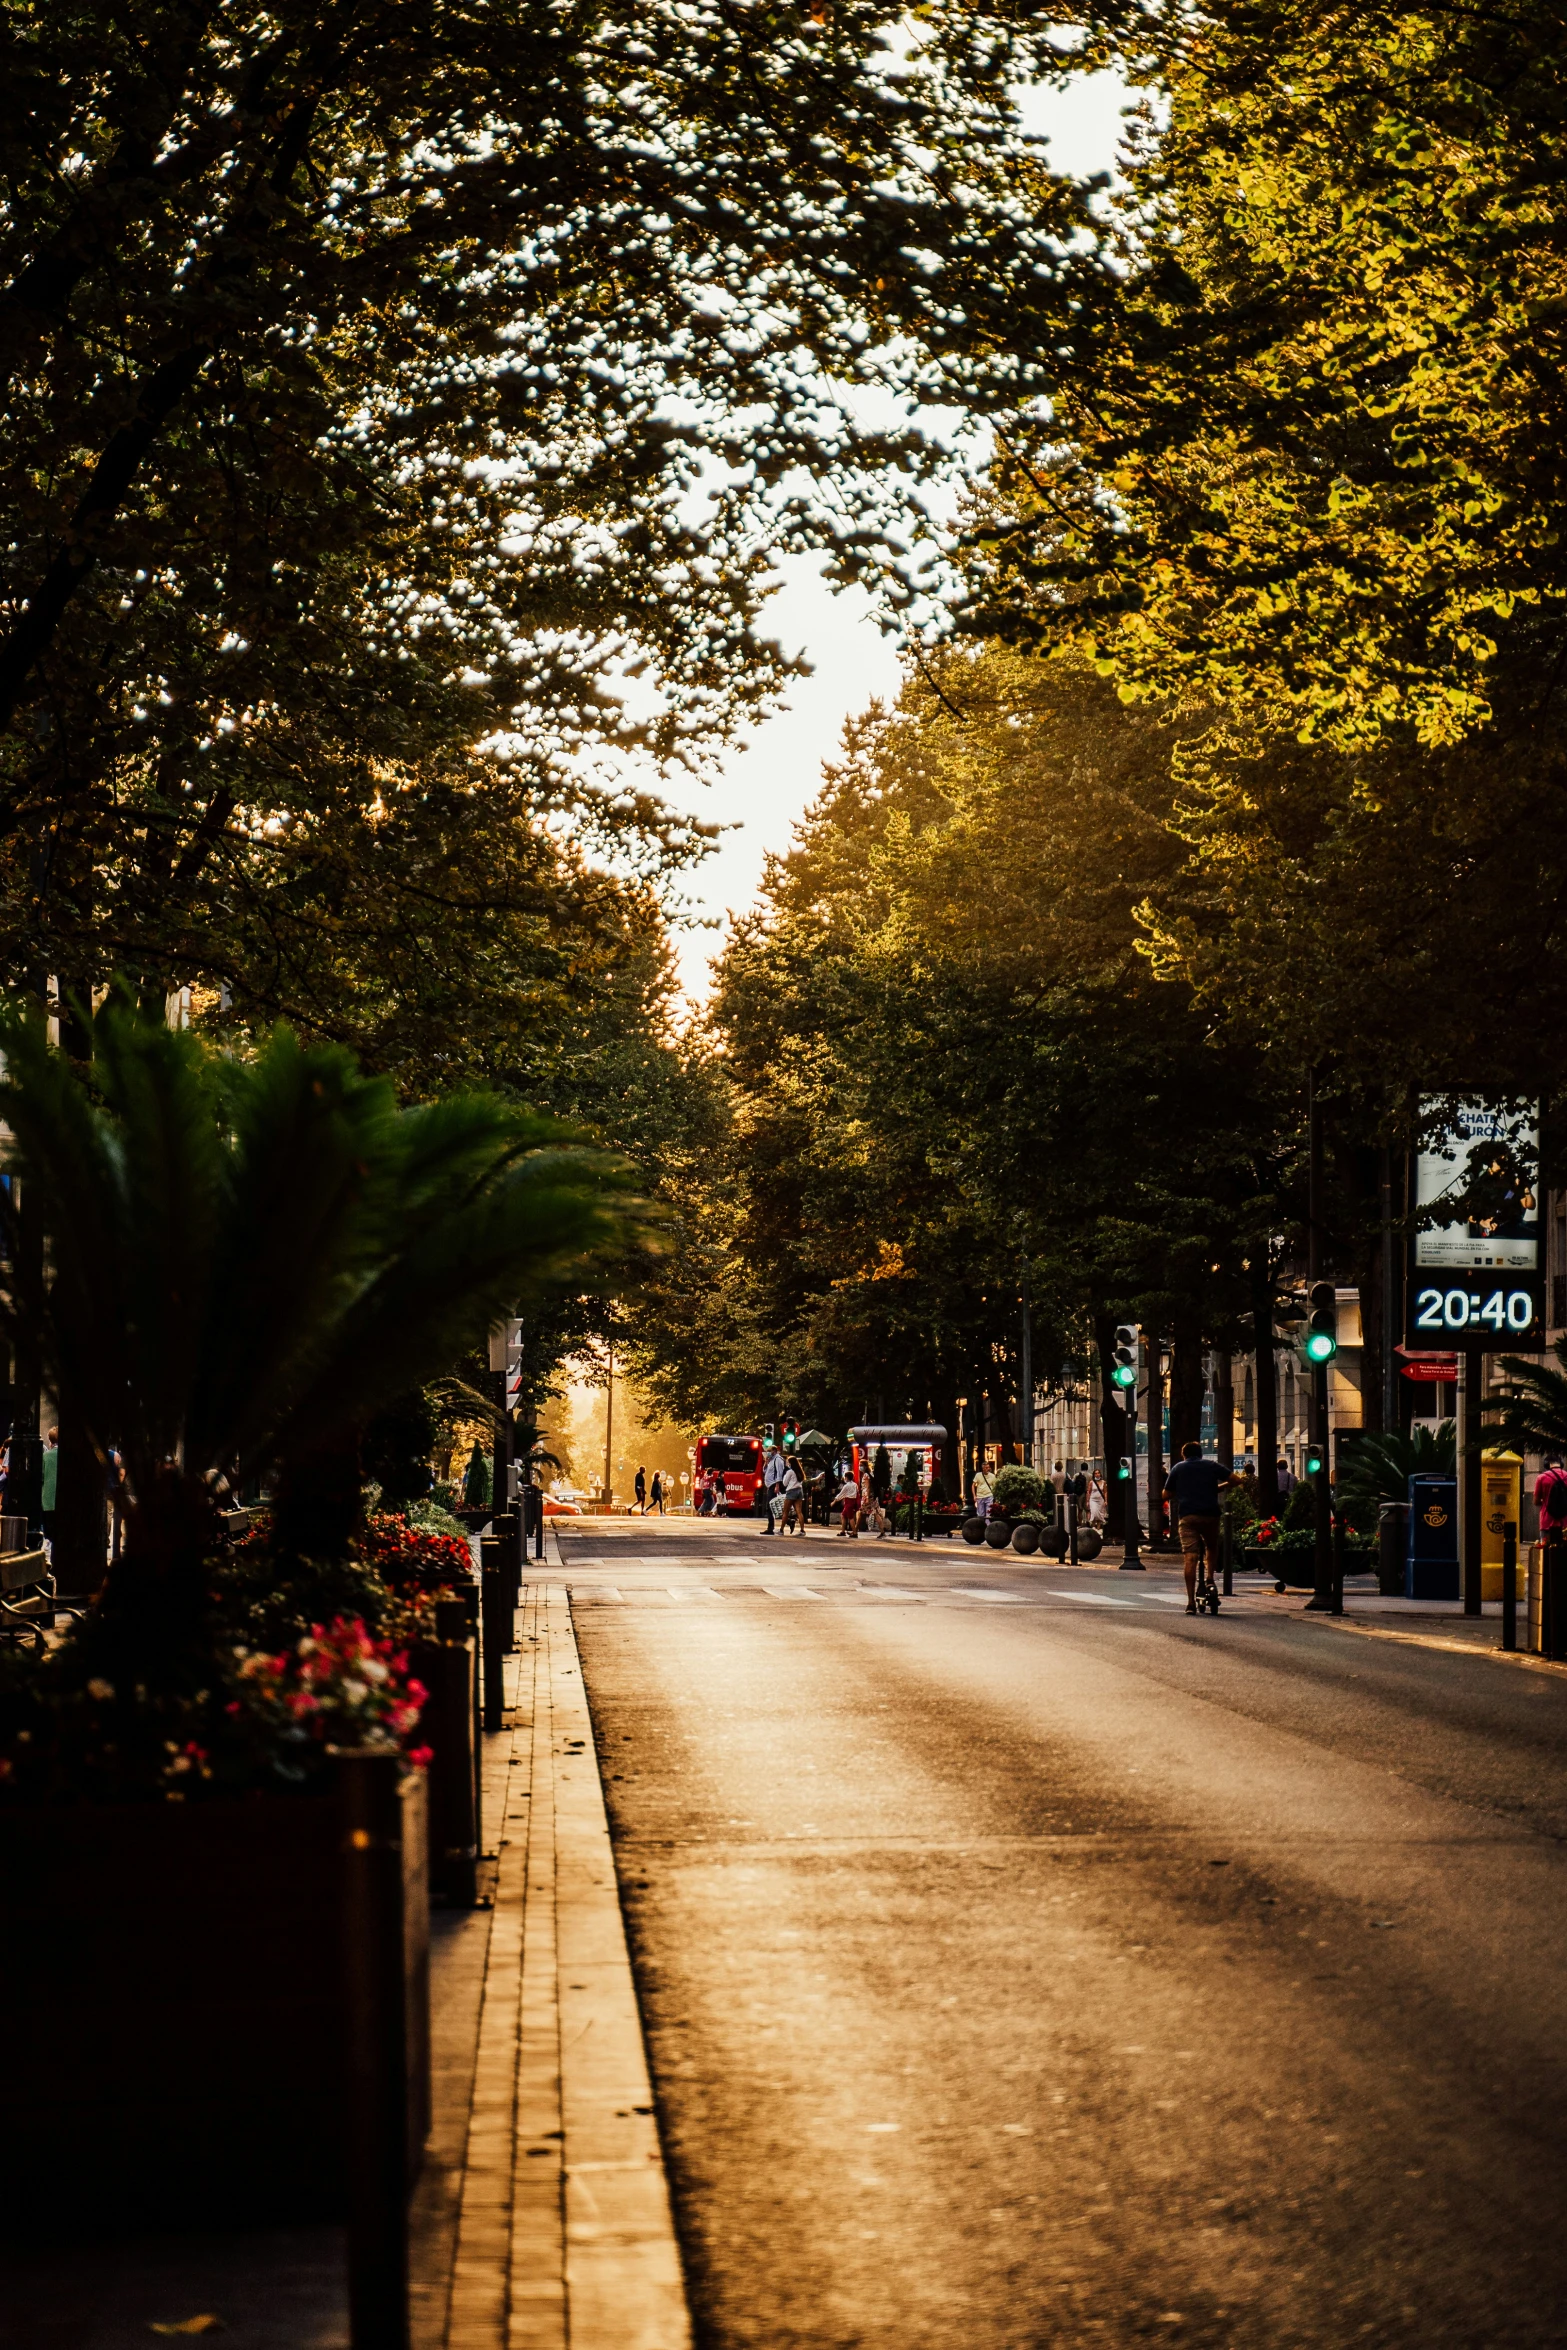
(175, 1973)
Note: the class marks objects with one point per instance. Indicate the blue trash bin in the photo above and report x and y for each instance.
(1431, 1554)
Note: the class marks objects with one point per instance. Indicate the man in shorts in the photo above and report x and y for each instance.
(1193, 1488)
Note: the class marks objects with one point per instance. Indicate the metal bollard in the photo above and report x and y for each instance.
(1227, 1554)
(496, 1608)
(504, 1531)
(1509, 1585)
(469, 1597)
(377, 2052)
(1553, 1598)
(449, 1661)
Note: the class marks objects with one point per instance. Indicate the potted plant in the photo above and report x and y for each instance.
(247, 1258)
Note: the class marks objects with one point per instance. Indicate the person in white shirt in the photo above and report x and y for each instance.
(793, 1500)
(772, 1489)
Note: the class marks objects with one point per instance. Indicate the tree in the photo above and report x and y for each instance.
(944, 1063)
(249, 1259)
(396, 390)
(1318, 474)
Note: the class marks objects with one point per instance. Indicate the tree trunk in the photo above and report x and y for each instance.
(1186, 1382)
(952, 1449)
(1267, 1391)
(1224, 1406)
(81, 1513)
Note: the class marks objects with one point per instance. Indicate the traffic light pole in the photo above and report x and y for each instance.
(1131, 1558)
(1324, 1600)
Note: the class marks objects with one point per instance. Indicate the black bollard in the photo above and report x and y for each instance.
(377, 2052)
(1509, 1585)
(496, 1608)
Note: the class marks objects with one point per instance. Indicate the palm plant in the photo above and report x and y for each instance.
(1377, 1468)
(1530, 1414)
(248, 1257)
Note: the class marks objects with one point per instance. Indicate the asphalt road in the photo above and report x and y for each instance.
(1041, 1966)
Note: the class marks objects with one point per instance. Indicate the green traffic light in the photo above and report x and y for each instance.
(1313, 1461)
(1123, 1470)
(1321, 1346)
(1124, 1375)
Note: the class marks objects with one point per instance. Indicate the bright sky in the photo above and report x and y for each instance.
(770, 778)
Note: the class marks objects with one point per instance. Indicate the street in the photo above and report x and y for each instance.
(1025, 1963)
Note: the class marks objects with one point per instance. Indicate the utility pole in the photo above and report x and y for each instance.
(609, 1420)
(1025, 1377)
(1391, 1320)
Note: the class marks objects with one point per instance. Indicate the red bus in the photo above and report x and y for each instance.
(728, 1475)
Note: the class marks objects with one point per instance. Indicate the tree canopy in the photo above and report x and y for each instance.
(410, 400)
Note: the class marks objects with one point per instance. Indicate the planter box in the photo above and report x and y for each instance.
(175, 1980)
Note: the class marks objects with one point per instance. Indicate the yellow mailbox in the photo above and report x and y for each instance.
(1501, 1484)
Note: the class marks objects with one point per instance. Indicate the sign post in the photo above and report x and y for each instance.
(1476, 1267)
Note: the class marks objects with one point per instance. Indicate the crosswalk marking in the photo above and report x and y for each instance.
(1095, 1598)
(979, 1591)
(791, 1591)
(692, 1591)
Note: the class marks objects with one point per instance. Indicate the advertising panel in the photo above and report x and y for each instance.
(1476, 1272)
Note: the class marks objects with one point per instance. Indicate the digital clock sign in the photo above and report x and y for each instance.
(1508, 1311)
(1476, 1275)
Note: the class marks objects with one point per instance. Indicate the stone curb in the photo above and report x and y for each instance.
(565, 2238)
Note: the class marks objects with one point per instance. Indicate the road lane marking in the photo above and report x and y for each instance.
(692, 1591)
(1094, 1598)
(979, 1591)
(790, 1591)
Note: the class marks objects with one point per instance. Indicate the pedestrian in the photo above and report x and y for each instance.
(981, 1494)
(1058, 1480)
(793, 1491)
(1550, 1499)
(772, 1489)
(1192, 1489)
(870, 1507)
(476, 1480)
(847, 1503)
(49, 1486)
(656, 1496)
(1098, 1500)
(640, 1485)
(1286, 1477)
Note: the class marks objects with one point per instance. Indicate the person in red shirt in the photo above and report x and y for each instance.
(1550, 1498)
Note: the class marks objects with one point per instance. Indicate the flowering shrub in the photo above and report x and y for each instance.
(338, 1686)
(1267, 1530)
(407, 1556)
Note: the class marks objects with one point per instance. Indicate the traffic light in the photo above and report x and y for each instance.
(791, 1434)
(767, 1432)
(1316, 1459)
(1322, 1328)
(1123, 1370)
(1123, 1469)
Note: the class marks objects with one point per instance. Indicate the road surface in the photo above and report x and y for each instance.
(1024, 1963)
